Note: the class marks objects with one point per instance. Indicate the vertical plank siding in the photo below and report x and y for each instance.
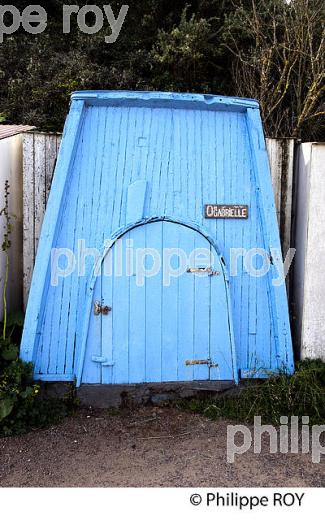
(40, 153)
(145, 156)
(39, 157)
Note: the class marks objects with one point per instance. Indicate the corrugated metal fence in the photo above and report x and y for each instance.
(40, 152)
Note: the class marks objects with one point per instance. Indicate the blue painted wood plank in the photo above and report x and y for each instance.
(131, 164)
(121, 340)
(165, 166)
(169, 358)
(137, 310)
(118, 166)
(202, 308)
(222, 349)
(186, 294)
(92, 370)
(107, 348)
(84, 231)
(153, 319)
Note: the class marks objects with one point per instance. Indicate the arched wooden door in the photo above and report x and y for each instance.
(151, 324)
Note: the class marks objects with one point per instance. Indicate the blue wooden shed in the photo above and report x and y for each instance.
(159, 257)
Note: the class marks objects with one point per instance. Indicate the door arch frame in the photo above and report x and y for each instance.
(112, 241)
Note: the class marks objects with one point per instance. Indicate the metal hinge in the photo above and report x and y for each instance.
(103, 360)
(209, 362)
(207, 270)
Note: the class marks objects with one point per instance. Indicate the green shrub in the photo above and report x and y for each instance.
(21, 407)
(17, 389)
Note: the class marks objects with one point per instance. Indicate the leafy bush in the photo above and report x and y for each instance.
(300, 394)
(17, 390)
(21, 407)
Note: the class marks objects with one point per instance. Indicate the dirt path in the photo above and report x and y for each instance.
(148, 447)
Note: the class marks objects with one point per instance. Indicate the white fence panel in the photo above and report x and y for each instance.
(11, 168)
(40, 153)
(309, 266)
(281, 156)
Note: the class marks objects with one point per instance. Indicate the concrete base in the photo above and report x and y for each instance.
(116, 396)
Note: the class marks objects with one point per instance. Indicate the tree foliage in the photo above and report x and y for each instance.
(283, 62)
(268, 49)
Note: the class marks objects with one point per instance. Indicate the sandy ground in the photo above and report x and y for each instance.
(147, 447)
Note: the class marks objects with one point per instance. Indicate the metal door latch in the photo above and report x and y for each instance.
(209, 362)
(207, 270)
(99, 308)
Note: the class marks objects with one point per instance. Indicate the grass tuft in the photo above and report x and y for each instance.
(303, 393)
